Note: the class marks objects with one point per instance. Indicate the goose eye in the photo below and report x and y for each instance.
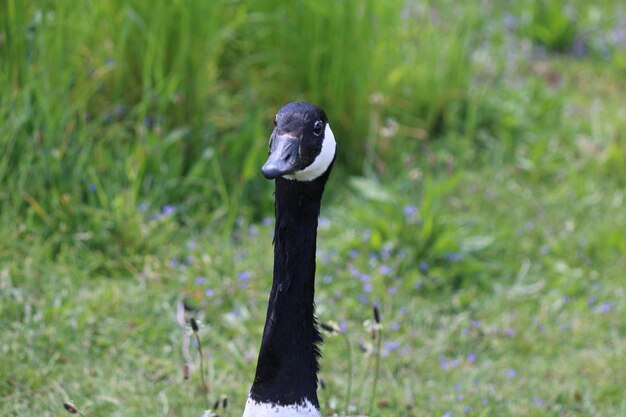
(274, 122)
(317, 128)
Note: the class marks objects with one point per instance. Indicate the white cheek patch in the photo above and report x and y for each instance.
(257, 409)
(321, 162)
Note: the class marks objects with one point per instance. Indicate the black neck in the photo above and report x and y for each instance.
(288, 360)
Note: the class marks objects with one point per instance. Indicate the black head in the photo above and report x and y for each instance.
(302, 145)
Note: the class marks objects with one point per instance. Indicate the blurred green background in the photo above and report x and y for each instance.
(478, 199)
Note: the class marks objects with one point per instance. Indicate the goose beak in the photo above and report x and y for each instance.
(283, 157)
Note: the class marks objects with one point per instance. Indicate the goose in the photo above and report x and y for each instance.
(302, 150)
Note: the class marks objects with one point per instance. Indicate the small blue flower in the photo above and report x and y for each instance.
(410, 210)
(447, 414)
(168, 209)
(510, 332)
(467, 409)
(456, 387)
(460, 397)
(392, 290)
(511, 373)
(392, 345)
(353, 253)
(471, 357)
(363, 299)
(443, 363)
(92, 188)
(591, 300)
(538, 401)
(143, 207)
(423, 267)
(605, 307)
(385, 269)
(244, 276)
(343, 326)
(327, 279)
(453, 257)
(484, 401)
(200, 280)
(367, 287)
(209, 292)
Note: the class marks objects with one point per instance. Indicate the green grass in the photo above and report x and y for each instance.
(478, 199)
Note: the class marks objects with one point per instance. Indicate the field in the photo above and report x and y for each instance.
(478, 200)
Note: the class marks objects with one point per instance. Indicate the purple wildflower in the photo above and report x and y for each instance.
(385, 269)
(209, 292)
(511, 373)
(363, 299)
(453, 257)
(538, 401)
(467, 409)
(471, 357)
(343, 326)
(200, 280)
(168, 209)
(605, 307)
(92, 188)
(244, 276)
(392, 345)
(410, 210)
(392, 290)
(423, 267)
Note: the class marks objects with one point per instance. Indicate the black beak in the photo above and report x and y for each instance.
(283, 157)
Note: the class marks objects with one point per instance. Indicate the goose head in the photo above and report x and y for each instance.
(302, 146)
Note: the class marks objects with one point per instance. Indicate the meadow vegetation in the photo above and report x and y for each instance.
(478, 200)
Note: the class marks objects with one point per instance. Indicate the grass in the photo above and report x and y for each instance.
(478, 202)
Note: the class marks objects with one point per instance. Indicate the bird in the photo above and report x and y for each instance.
(302, 151)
